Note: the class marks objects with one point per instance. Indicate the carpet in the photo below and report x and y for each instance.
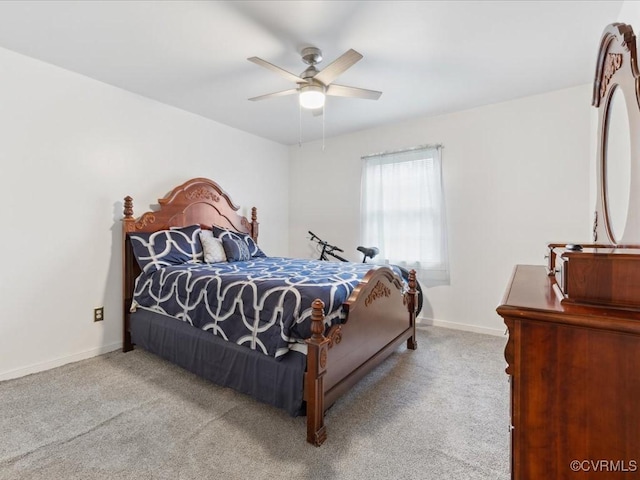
(440, 412)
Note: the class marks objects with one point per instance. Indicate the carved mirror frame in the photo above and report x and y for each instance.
(617, 70)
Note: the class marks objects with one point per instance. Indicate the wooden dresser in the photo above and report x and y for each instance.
(575, 383)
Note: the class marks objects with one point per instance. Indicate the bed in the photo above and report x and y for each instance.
(298, 344)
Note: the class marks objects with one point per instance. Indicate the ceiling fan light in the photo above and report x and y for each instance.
(312, 96)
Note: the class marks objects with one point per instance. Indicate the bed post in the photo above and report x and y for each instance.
(127, 287)
(412, 342)
(318, 346)
(254, 224)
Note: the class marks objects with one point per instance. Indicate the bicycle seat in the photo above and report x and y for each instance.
(370, 252)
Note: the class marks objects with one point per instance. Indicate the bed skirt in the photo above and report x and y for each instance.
(277, 382)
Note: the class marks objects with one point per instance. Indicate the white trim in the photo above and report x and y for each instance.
(58, 362)
(460, 326)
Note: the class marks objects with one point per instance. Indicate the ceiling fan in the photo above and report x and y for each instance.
(314, 85)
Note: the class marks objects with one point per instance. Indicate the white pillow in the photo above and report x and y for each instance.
(212, 247)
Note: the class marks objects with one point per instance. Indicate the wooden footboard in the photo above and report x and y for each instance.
(379, 319)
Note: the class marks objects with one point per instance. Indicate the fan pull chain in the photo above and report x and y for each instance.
(299, 125)
(324, 114)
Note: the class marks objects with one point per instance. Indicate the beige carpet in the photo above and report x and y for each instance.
(440, 412)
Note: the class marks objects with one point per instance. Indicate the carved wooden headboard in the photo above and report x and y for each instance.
(197, 201)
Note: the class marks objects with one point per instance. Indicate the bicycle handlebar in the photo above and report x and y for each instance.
(326, 245)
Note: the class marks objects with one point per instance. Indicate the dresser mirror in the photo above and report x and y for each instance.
(617, 165)
(616, 96)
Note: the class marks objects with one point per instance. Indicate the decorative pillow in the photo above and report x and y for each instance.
(254, 250)
(212, 247)
(236, 250)
(154, 251)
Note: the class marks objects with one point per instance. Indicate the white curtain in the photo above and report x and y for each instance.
(403, 211)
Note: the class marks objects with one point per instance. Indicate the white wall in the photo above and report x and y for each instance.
(516, 176)
(630, 13)
(71, 148)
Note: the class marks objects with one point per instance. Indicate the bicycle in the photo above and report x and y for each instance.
(329, 250)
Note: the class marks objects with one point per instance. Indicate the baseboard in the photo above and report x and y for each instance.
(58, 362)
(460, 326)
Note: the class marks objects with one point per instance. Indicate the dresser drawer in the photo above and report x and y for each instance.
(599, 276)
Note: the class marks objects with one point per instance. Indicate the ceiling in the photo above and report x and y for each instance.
(427, 57)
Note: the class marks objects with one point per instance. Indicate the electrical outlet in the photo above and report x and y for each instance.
(98, 314)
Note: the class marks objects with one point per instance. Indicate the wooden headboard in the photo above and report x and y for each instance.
(197, 201)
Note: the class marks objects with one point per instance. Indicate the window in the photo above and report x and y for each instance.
(403, 211)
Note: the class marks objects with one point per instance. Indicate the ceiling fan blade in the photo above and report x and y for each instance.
(338, 66)
(343, 91)
(288, 75)
(276, 94)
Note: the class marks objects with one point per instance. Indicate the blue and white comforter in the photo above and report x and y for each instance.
(264, 303)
